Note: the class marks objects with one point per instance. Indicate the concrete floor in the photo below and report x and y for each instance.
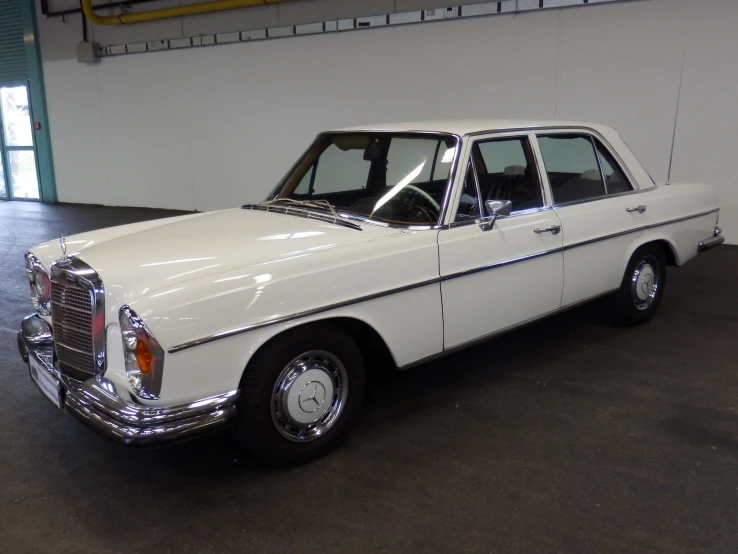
(568, 436)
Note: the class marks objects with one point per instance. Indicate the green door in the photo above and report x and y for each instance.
(18, 170)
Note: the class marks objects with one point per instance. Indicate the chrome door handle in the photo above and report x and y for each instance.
(554, 230)
(640, 209)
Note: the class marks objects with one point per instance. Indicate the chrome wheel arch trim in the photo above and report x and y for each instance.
(428, 282)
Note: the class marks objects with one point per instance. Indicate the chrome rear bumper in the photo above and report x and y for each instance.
(98, 404)
(716, 239)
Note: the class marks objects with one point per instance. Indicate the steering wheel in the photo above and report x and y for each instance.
(424, 194)
(422, 212)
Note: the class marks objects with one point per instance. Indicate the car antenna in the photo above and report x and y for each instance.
(676, 120)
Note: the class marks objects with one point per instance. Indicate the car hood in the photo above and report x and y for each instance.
(150, 258)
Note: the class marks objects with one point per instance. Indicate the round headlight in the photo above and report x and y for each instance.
(40, 285)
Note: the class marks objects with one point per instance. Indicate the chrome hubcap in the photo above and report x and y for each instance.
(645, 285)
(309, 396)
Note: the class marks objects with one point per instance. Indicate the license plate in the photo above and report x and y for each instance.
(48, 384)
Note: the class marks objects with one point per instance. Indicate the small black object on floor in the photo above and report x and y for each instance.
(572, 435)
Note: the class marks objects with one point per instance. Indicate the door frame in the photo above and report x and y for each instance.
(504, 264)
(6, 149)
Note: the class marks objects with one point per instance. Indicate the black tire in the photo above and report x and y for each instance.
(630, 306)
(261, 426)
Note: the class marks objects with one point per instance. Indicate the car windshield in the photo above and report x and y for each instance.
(398, 178)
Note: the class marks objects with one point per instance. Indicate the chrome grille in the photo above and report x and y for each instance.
(72, 320)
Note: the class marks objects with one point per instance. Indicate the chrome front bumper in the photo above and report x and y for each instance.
(98, 404)
(716, 239)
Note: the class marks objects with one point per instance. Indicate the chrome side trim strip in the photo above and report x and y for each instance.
(508, 329)
(306, 313)
(315, 311)
(638, 229)
(500, 264)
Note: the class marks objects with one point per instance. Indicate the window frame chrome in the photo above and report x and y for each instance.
(599, 163)
(593, 136)
(486, 136)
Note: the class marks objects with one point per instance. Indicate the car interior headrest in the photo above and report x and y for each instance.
(592, 175)
(514, 170)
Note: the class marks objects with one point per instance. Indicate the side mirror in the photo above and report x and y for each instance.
(494, 208)
(498, 207)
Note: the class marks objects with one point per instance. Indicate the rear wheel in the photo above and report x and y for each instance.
(643, 285)
(300, 394)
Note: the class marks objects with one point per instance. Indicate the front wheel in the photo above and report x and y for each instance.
(643, 285)
(300, 394)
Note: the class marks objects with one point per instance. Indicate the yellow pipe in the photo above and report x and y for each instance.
(167, 13)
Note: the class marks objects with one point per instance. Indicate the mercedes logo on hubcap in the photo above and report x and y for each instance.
(311, 397)
(647, 283)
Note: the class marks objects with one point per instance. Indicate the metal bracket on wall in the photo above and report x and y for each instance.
(483, 9)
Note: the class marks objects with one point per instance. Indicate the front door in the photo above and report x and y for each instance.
(497, 277)
(599, 213)
(18, 171)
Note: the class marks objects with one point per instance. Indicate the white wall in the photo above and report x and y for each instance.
(215, 127)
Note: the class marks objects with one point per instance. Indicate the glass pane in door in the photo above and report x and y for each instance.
(3, 191)
(23, 176)
(16, 116)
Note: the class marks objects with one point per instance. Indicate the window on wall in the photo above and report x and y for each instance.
(572, 167)
(507, 171)
(615, 180)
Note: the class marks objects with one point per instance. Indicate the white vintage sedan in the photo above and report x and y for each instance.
(395, 243)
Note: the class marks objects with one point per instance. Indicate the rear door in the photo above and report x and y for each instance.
(600, 216)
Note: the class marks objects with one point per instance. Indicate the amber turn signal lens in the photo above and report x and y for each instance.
(144, 357)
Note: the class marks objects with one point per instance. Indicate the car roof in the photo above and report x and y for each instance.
(470, 126)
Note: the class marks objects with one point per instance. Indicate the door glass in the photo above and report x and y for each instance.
(16, 116)
(469, 202)
(23, 176)
(3, 191)
(572, 166)
(509, 173)
(615, 179)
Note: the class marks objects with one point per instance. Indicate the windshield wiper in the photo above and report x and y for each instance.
(319, 204)
(311, 209)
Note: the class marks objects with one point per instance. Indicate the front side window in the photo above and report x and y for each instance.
(399, 178)
(572, 167)
(507, 170)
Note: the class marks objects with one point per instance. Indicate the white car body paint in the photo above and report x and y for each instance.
(202, 275)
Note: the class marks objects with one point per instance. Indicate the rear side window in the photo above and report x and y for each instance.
(615, 180)
(572, 167)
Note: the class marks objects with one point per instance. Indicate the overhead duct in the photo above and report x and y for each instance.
(168, 13)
